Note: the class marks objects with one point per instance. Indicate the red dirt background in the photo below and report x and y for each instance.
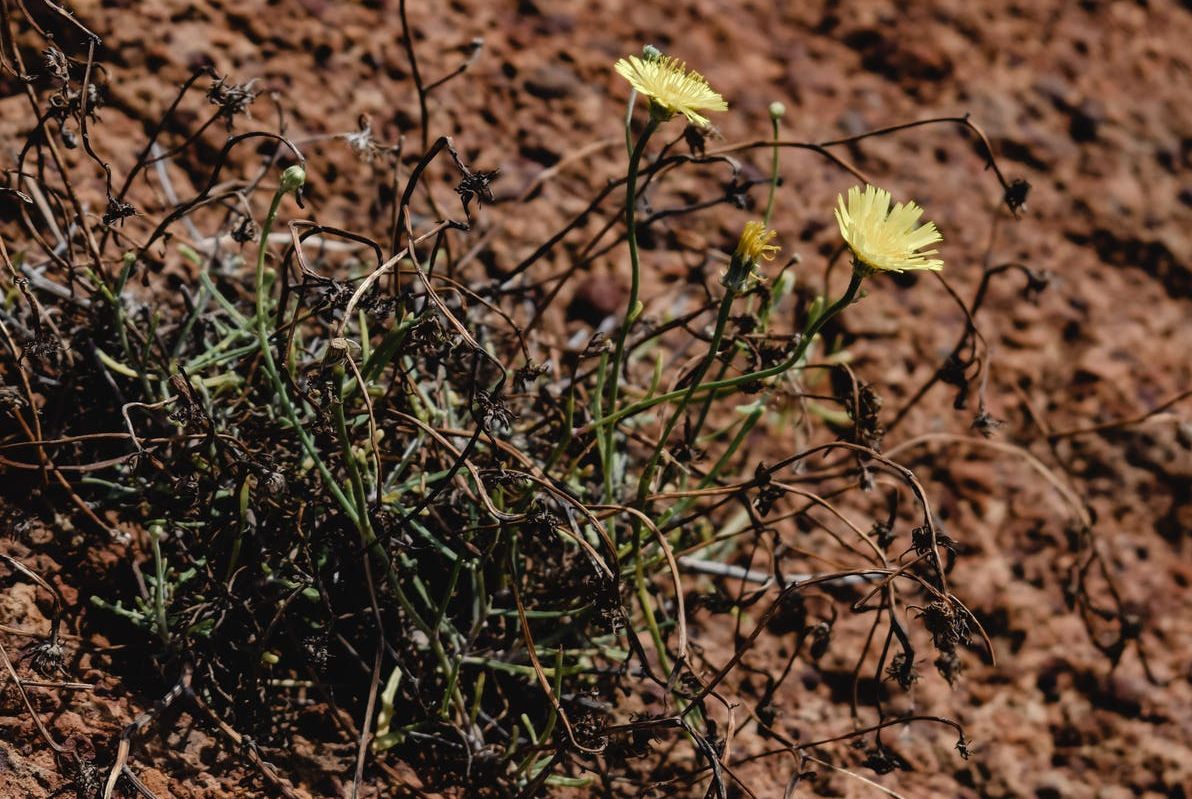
(1088, 101)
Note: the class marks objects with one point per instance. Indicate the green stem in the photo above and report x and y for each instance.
(356, 510)
(708, 479)
(693, 436)
(368, 537)
(345, 447)
(643, 486)
(568, 421)
(634, 308)
(279, 388)
(773, 175)
(245, 494)
(732, 382)
(159, 586)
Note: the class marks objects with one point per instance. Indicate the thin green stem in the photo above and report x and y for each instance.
(634, 306)
(643, 486)
(773, 173)
(355, 509)
(345, 445)
(568, 421)
(732, 382)
(725, 363)
(279, 387)
(245, 494)
(159, 586)
(725, 458)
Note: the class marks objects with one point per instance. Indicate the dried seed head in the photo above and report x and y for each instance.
(232, 98)
(902, 669)
(57, 64)
(245, 230)
(117, 211)
(1016, 194)
(986, 425)
(46, 657)
(883, 760)
(273, 483)
(476, 185)
(949, 628)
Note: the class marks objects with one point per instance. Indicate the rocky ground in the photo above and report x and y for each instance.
(1087, 101)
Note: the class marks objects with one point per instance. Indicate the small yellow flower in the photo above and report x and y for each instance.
(883, 239)
(753, 246)
(671, 86)
(755, 243)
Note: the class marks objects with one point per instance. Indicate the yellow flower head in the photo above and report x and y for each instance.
(754, 246)
(673, 89)
(883, 239)
(755, 243)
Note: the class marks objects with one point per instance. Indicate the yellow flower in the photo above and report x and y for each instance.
(754, 246)
(755, 243)
(883, 239)
(673, 89)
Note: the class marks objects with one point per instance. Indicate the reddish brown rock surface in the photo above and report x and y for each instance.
(1088, 101)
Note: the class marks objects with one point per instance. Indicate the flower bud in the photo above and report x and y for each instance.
(777, 110)
(293, 178)
(754, 245)
(784, 285)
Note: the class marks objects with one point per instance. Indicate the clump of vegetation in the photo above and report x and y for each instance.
(352, 479)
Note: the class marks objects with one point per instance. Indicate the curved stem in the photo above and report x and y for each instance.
(643, 486)
(732, 382)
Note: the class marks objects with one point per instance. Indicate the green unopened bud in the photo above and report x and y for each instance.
(293, 178)
(777, 110)
(817, 308)
(784, 285)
